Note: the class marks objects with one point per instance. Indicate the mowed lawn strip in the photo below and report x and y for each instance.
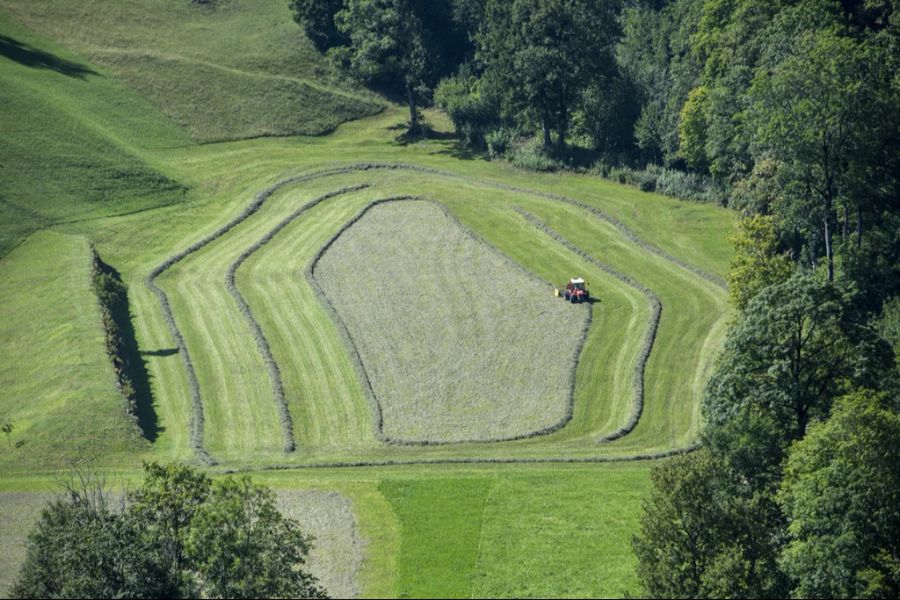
(323, 391)
(440, 529)
(240, 410)
(563, 535)
(449, 330)
(692, 323)
(56, 381)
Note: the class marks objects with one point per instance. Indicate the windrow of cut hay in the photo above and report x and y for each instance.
(649, 335)
(459, 343)
(197, 424)
(287, 426)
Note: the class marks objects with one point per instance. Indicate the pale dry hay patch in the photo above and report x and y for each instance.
(337, 553)
(458, 342)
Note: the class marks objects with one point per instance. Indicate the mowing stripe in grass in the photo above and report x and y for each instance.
(649, 336)
(197, 416)
(261, 342)
(357, 360)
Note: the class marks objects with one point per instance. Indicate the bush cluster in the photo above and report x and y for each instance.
(112, 298)
(672, 182)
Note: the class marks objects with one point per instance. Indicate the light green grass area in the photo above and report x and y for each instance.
(104, 120)
(58, 386)
(452, 334)
(222, 70)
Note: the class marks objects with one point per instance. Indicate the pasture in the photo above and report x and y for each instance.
(248, 365)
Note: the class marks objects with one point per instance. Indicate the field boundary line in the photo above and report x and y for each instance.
(473, 461)
(649, 335)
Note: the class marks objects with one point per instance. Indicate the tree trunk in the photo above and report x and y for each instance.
(545, 126)
(829, 249)
(563, 131)
(859, 225)
(413, 110)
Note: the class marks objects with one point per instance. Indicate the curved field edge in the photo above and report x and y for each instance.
(649, 335)
(378, 408)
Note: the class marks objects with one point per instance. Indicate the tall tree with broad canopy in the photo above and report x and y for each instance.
(544, 54)
(180, 535)
(388, 41)
(840, 492)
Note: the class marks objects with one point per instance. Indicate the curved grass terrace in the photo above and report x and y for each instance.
(619, 359)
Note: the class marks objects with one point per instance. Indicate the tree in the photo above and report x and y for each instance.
(179, 535)
(317, 19)
(242, 547)
(388, 42)
(703, 535)
(757, 262)
(544, 54)
(840, 492)
(817, 108)
(799, 345)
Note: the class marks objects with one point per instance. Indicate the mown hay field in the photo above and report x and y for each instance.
(458, 342)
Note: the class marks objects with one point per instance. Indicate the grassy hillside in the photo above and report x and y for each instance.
(57, 381)
(222, 70)
(73, 138)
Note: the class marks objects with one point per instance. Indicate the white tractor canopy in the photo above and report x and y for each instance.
(578, 282)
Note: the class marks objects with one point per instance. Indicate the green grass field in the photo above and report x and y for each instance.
(111, 145)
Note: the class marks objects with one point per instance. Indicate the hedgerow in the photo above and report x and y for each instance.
(111, 299)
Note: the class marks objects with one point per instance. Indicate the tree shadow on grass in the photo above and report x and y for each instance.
(135, 365)
(38, 59)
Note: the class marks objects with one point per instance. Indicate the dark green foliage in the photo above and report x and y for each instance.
(388, 46)
(716, 524)
(799, 345)
(317, 19)
(472, 105)
(179, 535)
(703, 534)
(241, 546)
(524, 46)
(840, 492)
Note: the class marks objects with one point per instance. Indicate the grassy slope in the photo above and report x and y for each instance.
(223, 70)
(70, 137)
(222, 178)
(58, 384)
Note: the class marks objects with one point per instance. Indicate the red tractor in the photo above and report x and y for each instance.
(575, 291)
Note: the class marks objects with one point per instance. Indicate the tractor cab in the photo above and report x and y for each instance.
(575, 291)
